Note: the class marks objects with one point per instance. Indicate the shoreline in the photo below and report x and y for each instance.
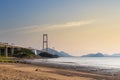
(113, 72)
(51, 71)
(19, 71)
(88, 69)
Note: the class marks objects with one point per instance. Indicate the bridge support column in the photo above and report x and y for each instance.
(6, 51)
(45, 42)
(12, 51)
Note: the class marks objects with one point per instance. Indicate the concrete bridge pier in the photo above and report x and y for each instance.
(6, 51)
(12, 51)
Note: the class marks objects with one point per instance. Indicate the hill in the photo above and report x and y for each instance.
(60, 54)
(94, 55)
(115, 55)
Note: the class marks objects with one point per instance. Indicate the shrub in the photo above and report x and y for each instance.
(24, 53)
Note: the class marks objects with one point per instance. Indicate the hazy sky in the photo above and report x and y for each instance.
(74, 26)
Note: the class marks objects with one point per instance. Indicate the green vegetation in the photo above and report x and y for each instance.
(24, 53)
(7, 59)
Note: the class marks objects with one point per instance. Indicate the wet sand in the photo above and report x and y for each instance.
(18, 71)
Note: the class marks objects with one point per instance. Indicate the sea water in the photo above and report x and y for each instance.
(106, 62)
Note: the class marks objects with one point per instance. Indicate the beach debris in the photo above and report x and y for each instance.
(37, 69)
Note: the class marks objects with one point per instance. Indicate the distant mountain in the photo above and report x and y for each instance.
(94, 55)
(64, 54)
(101, 55)
(115, 55)
(60, 54)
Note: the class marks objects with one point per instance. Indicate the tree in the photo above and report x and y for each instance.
(24, 53)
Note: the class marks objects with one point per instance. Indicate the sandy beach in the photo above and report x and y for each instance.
(18, 71)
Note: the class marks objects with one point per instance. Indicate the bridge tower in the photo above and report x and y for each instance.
(45, 42)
